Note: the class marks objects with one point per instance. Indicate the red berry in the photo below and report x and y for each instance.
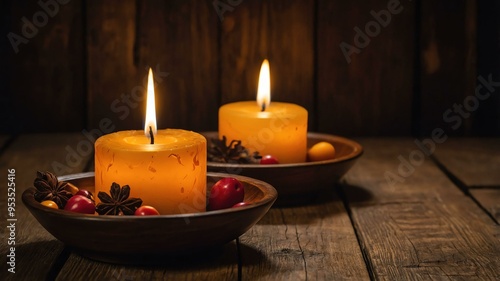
(146, 211)
(80, 204)
(85, 193)
(226, 193)
(241, 204)
(269, 159)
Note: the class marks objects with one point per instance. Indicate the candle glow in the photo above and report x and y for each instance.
(278, 129)
(264, 88)
(168, 173)
(150, 123)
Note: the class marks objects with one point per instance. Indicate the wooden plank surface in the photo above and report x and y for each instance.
(179, 39)
(489, 198)
(444, 49)
(44, 75)
(474, 161)
(215, 266)
(92, 57)
(281, 31)
(315, 242)
(368, 88)
(36, 250)
(420, 226)
(126, 38)
(486, 120)
(115, 81)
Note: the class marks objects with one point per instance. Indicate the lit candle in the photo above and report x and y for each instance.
(277, 128)
(165, 168)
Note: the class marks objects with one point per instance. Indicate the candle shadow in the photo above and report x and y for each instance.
(326, 195)
(65, 260)
(322, 196)
(224, 256)
(35, 256)
(321, 205)
(218, 259)
(356, 194)
(255, 263)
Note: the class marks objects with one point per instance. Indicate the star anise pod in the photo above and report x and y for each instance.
(220, 151)
(48, 187)
(118, 203)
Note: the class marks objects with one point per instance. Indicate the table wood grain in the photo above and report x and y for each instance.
(474, 164)
(424, 227)
(379, 223)
(475, 161)
(357, 70)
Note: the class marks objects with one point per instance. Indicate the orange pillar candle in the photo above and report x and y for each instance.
(169, 174)
(277, 128)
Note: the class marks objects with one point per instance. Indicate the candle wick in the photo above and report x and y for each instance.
(151, 135)
(263, 107)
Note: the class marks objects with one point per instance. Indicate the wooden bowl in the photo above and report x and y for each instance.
(298, 183)
(137, 240)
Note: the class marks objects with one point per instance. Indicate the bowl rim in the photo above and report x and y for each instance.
(270, 196)
(357, 152)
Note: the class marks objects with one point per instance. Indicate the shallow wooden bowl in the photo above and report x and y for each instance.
(298, 183)
(137, 240)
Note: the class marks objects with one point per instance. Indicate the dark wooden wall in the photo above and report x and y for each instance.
(84, 67)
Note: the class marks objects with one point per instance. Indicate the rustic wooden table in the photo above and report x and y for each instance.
(394, 216)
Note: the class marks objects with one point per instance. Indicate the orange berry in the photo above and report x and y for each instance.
(321, 151)
(50, 204)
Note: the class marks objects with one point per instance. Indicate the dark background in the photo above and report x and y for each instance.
(84, 67)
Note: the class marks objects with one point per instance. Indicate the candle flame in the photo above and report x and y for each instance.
(264, 89)
(150, 107)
